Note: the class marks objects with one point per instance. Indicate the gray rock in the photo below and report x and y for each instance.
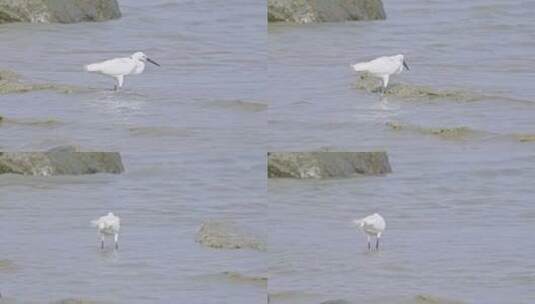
(61, 11)
(227, 235)
(60, 161)
(326, 164)
(307, 11)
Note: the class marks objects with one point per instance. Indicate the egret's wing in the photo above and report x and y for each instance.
(381, 66)
(117, 66)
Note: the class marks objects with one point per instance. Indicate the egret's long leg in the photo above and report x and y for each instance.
(101, 242)
(116, 241)
(369, 244)
(377, 244)
(385, 83)
(120, 81)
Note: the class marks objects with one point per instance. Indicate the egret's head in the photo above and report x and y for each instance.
(140, 56)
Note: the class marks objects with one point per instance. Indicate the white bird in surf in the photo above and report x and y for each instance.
(108, 225)
(120, 67)
(373, 225)
(383, 67)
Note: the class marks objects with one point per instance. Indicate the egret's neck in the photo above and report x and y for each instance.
(140, 66)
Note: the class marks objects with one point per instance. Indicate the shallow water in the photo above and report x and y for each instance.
(187, 159)
(193, 136)
(459, 210)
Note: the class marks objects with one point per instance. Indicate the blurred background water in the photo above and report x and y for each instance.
(190, 134)
(458, 210)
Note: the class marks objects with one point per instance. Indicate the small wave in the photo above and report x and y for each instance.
(293, 297)
(455, 133)
(233, 277)
(240, 105)
(429, 299)
(77, 301)
(45, 123)
(160, 131)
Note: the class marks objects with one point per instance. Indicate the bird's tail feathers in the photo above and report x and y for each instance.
(94, 223)
(91, 67)
(359, 67)
(357, 222)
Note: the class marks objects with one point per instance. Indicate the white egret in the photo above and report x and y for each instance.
(108, 225)
(373, 225)
(383, 67)
(120, 67)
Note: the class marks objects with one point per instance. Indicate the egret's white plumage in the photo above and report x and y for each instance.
(108, 225)
(373, 225)
(383, 67)
(120, 67)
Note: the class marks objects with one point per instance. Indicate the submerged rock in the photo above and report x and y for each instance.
(227, 235)
(10, 82)
(455, 133)
(413, 92)
(60, 161)
(524, 137)
(307, 11)
(7, 266)
(62, 11)
(326, 164)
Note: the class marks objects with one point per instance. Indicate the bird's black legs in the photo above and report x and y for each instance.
(101, 244)
(377, 244)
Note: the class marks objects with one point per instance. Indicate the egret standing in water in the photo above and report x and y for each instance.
(383, 67)
(120, 67)
(108, 225)
(373, 225)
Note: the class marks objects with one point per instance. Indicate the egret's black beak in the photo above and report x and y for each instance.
(152, 61)
(406, 66)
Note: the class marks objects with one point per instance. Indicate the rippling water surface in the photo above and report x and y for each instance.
(193, 136)
(190, 134)
(458, 209)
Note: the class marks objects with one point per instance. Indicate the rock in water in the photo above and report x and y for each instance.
(326, 164)
(227, 235)
(60, 161)
(307, 11)
(61, 11)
